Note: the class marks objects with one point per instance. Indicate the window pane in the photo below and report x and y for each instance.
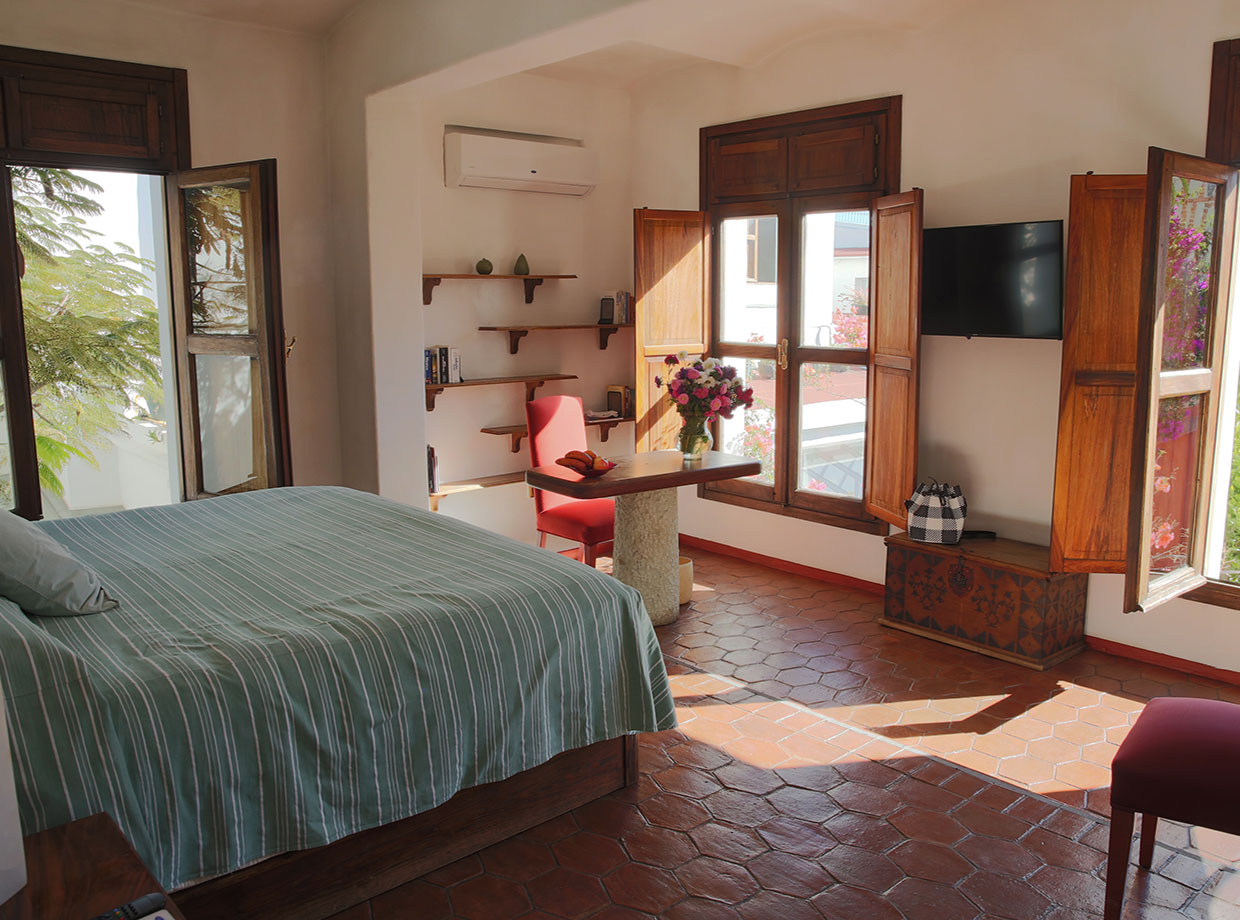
(7, 500)
(230, 423)
(751, 432)
(1175, 482)
(1187, 277)
(215, 234)
(832, 429)
(748, 250)
(835, 279)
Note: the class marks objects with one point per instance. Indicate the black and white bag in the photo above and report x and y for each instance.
(936, 513)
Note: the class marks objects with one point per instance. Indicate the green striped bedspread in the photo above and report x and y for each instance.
(291, 666)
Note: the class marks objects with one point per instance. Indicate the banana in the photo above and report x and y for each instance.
(581, 455)
(572, 463)
(602, 463)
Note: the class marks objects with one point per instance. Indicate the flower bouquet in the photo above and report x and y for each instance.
(702, 391)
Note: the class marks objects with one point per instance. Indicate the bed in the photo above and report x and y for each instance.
(294, 666)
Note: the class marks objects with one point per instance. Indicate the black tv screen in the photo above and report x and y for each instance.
(993, 280)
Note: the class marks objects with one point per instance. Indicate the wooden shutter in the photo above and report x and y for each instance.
(671, 267)
(895, 349)
(228, 329)
(71, 111)
(1223, 130)
(1089, 527)
(835, 159)
(744, 165)
(1185, 284)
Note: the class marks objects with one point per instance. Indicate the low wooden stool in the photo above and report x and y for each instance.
(1179, 761)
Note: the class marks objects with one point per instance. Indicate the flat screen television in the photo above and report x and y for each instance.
(993, 280)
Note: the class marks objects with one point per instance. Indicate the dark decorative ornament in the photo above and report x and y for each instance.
(960, 578)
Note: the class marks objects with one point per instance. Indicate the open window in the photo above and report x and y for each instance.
(112, 398)
(804, 273)
(1178, 505)
(227, 329)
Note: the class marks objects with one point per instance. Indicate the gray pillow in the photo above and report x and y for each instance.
(40, 576)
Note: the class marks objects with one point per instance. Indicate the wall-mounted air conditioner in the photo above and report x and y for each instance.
(475, 158)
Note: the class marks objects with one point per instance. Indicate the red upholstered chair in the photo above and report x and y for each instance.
(1179, 761)
(557, 425)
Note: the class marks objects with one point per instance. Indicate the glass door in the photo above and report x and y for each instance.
(94, 327)
(751, 334)
(829, 354)
(228, 329)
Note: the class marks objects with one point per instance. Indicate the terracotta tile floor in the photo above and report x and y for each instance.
(826, 766)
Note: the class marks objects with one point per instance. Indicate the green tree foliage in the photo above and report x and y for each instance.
(92, 331)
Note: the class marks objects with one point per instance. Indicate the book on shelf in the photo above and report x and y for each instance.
(443, 365)
(615, 308)
(432, 469)
(620, 400)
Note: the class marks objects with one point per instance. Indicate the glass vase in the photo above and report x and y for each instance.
(695, 438)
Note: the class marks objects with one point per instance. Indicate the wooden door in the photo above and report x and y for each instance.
(895, 351)
(671, 267)
(1189, 240)
(228, 329)
(1102, 300)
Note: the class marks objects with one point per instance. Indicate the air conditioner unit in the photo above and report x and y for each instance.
(526, 163)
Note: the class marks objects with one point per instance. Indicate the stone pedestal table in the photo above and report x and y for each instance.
(647, 553)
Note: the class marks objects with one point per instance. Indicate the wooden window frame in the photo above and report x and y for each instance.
(1144, 590)
(1223, 145)
(166, 91)
(789, 203)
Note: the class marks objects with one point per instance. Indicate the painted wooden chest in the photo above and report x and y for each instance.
(997, 597)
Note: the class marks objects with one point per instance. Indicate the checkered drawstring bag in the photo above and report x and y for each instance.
(936, 513)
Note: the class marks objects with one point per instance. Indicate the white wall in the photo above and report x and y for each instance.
(253, 92)
(591, 237)
(1002, 102)
(379, 45)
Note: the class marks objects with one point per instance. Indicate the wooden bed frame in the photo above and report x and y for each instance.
(316, 884)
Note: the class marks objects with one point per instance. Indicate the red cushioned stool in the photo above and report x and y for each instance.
(1179, 761)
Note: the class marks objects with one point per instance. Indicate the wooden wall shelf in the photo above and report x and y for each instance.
(473, 485)
(431, 281)
(518, 432)
(532, 382)
(516, 333)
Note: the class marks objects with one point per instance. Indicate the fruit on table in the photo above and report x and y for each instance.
(581, 461)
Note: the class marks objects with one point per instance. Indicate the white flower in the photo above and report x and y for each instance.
(683, 357)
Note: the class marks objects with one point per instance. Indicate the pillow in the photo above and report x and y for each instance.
(40, 576)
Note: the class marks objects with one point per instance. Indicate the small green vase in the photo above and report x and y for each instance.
(484, 267)
(522, 267)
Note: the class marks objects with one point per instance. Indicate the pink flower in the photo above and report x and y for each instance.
(1162, 484)
(700, 392)
(715, 404)
(692, 373)
(1164, 536)
(683, 398)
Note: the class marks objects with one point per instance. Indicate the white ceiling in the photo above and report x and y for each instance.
(738, 32)
(296, 15)
(650, 37)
